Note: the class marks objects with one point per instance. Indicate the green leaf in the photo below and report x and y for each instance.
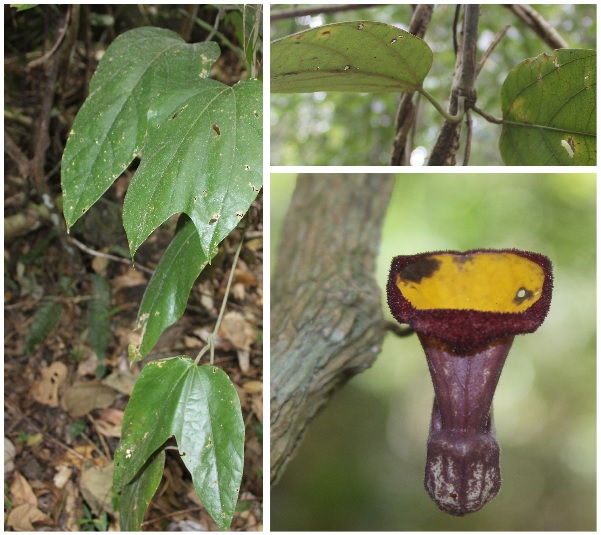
(137, 494)
(550, 110)
(368, 57)
(44, 320)
(167, 292)
(111, 127)
(23, 7)
(205, 160)
(99, 331)
(200, 407)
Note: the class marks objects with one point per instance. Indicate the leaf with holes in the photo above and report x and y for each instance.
(550, 110)
(167, 293)
(205, 160)
(139, 68)
(358, 57)
(199, 406)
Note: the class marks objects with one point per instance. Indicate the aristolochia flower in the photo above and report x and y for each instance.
(466, 309)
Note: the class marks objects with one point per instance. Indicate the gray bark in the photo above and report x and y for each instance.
(326, 312)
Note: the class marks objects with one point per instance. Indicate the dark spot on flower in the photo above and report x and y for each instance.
(422, 268)
(522, 295)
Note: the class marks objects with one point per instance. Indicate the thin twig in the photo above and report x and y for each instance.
(455, 22)
(175, 513)
(215, 24)
(405, 123)
(57, 43)
(496, 40)
(107, 451)
(398, 329)
(211, 338)
(536, 22)
(490, 118)
(317, 10)
(92, 252)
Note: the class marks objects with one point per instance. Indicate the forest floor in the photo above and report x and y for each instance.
(63, 401)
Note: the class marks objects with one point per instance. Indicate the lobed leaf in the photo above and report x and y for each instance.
(111, 126)
(200, 407)
(361, 56)
(550, 110)
(205, 160)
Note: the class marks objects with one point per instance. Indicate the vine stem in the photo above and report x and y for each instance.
(211, 338)
(451, 118)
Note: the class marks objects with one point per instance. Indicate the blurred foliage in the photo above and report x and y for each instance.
(361, 464)
(358, 129)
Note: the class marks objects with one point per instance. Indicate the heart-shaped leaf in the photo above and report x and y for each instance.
(199, 406)
(167, 292)
(204, 160)
(359, 57)
(550, 110)
(110, 128)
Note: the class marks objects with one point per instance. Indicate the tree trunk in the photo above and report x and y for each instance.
(464, 85)
(326, 313)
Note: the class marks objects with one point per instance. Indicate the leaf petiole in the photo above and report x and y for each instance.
(450, 118)
(211, 338)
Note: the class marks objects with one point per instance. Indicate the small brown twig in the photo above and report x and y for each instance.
(537, 23)
(175, 513)
(496, 40)
(93, 252)
(107, 451)
(490, 118)
(406, 113)
(57, 43)
(398, 329)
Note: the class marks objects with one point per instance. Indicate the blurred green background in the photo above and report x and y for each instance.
(360, 466)
(358, 129)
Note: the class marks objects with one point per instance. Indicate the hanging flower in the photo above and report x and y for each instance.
(466, 309)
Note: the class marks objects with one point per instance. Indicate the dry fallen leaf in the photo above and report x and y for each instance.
(121, 380)
(24, 516)
(253, 387)
(109, 422)
(244, 360)
(81, 398)
(21, 491)
(45, 391)
(74, 458)
(237, 330)
(132, 278)
(99, 264)
(63, 474)
(257, 406)
(96, 487)
(9, 456)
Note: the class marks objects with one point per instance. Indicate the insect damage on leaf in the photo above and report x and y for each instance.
(133, 349)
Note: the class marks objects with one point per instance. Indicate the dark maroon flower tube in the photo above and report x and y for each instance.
(466, 309)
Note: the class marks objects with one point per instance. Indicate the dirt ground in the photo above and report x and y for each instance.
(63, 402)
